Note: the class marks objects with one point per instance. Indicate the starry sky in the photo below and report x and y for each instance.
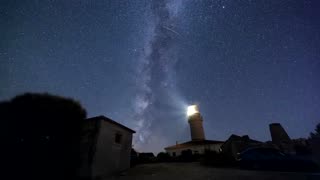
(245, 63)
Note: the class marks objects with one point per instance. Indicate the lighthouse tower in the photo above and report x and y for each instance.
(195, 122)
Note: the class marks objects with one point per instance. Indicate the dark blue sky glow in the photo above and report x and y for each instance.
(246, 63)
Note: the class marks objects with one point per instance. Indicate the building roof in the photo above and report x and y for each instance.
(110, 121)
(193, 143)
(236, 138)
(245, 137)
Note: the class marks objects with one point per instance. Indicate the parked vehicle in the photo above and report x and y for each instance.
(273, 159)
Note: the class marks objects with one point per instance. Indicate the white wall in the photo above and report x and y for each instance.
(200, 148)
(111, 157)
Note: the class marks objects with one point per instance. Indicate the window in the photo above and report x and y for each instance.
(118, 138)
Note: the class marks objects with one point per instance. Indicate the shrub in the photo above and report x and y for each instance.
(163, 157)
(217, 159)
(42, 136)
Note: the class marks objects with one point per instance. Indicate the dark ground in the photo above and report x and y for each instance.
(194, 171)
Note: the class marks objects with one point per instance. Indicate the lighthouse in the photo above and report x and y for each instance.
(195, 121)
(198, 143)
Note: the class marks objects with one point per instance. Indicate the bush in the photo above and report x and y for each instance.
(186, 156)
(163, 157)
(146, 158)
(302, 149)
(218, 159)
(42, 136)
(133, 158)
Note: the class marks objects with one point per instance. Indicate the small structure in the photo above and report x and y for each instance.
(198, 143)
(280, 138)
(106, 147)
(236, 144)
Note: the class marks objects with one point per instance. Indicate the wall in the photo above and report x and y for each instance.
(111, 157)
(200, 148)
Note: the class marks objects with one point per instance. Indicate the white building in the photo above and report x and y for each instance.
(198, 143)
(197, 147)
(106, 147)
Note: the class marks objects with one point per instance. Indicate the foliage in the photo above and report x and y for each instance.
(146, 157)
(302, 149)
(316, 134)
(163, 157)
(218, 159)
(133, 158)
(42, 135)
(186, 156)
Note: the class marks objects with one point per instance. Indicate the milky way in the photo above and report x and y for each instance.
(156, 71)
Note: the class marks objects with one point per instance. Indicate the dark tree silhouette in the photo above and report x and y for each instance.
(41, 136)
(316, 134)
(186, 155)
(163, 157)
(133, 157)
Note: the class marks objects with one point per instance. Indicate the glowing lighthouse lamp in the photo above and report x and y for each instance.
(193, 109)
(195, 122)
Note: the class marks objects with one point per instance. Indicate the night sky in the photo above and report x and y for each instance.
(246, 63)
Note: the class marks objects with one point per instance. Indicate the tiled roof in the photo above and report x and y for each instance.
(194, 143)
